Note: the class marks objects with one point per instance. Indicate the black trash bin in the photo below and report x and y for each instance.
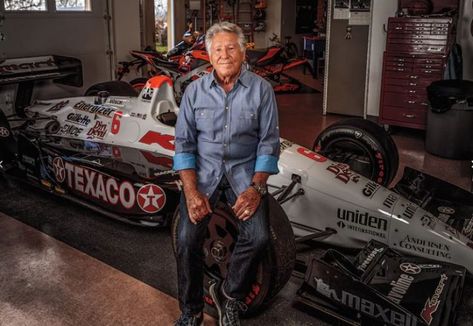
(450, 119)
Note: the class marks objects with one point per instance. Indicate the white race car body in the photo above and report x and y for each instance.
(333, 196)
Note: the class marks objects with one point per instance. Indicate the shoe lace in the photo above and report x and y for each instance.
(233, 307)
(186, 320)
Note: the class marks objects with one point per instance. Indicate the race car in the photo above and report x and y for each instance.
(113, 153)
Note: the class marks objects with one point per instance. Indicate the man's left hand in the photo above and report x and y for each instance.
(246, 204)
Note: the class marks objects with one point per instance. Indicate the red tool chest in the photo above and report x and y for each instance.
(416, 55)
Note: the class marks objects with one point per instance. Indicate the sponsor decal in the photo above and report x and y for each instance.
(362, 222)
(343, 173)
(4, 132)
(138, 115)
(410, 268)
(363, 219)
(96, 185)
(147, 94)
(151, 198)
(390, 200)
(58, 106)
(285, 144)
(365, 306)
(400, 288)
(163, 140)
(431, 248)
(78, 118)
(115, 101)
(27, 66)
(427, 220)
(59, 169)
(410, 210)
(157, 159)
(70, 130)
(370, 189)
(370, 258)
(98, 131)
(94, 109)
(432, 303)
(445, 213)
(312, 155)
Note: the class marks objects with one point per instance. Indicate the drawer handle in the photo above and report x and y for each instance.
(411, 102)
(412, 84)
(409, 116)
(428, 71)
(412, 91)
(424, 104)
(413, 77)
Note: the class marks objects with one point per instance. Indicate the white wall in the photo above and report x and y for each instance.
(274, 20)
(465, 38)
(381, 10)
(83, 35)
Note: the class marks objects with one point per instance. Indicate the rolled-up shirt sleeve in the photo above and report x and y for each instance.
(186, 135)
(267, 155)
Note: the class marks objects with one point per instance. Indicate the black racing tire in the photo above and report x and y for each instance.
(273, 270)
(366, 147)
(138, 84)
(114, 88)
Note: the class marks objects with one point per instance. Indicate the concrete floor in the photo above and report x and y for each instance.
(44, 281)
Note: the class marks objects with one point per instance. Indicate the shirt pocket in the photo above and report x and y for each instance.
(248, 127)
(204, 122)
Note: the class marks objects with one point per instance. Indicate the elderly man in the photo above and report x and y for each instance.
(227, 145)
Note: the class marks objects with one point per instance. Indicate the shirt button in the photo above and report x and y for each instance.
(226, 108)
(224, 145)
(207, 194)
(226, 126)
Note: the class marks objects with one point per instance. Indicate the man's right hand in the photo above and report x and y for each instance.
(198, 206)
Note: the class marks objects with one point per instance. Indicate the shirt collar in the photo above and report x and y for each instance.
(243, 79)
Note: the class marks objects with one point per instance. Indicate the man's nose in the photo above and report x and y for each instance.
(225, 53)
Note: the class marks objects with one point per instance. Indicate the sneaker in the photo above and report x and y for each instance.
(190, 320)
(228, 309)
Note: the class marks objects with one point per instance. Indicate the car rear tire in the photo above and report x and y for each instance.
(114, 88)
(274, 269)
(138, 84)
(366, 147)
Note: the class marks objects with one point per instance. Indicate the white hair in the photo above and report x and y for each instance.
(226, 27)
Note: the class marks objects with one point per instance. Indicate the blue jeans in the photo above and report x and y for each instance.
(253, 238)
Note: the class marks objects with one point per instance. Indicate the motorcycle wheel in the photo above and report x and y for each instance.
(366, 147)
(114, 88)
(273, 270)
(138, 84)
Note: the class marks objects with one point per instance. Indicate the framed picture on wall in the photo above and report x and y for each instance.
(342, 4)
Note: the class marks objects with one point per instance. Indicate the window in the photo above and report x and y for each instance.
(25, 5)
(73, 5)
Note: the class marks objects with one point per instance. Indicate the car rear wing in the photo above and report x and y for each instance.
(26, 71)
(63, 70)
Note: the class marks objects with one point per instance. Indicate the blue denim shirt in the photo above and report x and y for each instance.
(235, 133)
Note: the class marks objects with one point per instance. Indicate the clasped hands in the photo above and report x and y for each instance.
(245, 206)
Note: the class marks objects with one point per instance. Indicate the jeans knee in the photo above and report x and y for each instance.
(260, 241)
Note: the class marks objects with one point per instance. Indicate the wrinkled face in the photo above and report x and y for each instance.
(226, 55)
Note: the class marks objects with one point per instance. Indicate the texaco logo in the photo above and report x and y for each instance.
(4, 132)
(410, 268)
(151, 198)
(59, 170)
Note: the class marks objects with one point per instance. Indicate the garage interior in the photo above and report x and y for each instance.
(64, 264)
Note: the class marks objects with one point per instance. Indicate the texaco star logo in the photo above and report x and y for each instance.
(151, 198)
(4, 132)
(59, 170)
(410, 268)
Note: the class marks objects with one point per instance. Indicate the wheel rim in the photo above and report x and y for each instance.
(354, 154)
(222, 233)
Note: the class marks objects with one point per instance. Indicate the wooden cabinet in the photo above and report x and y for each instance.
(416, 55)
